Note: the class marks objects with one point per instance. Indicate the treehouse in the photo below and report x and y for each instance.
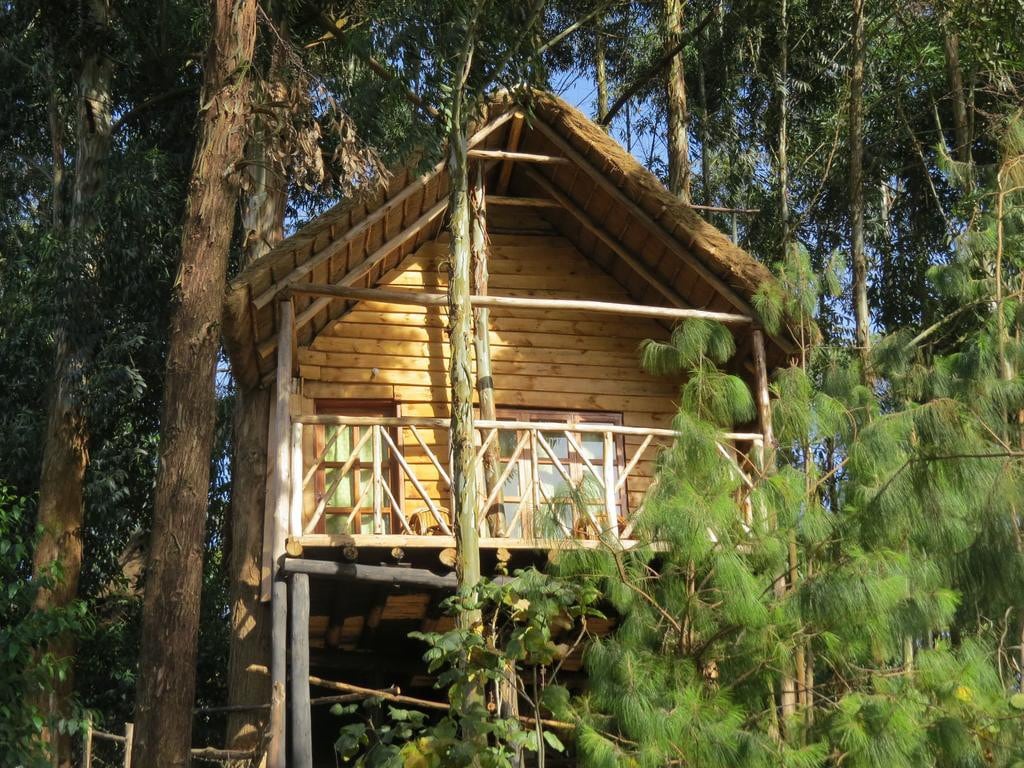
(587, 255)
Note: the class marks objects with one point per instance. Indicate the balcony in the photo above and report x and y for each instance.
(386, 481)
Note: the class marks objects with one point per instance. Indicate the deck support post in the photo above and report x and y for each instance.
(610, 496)
(299, 704)
(282, 496)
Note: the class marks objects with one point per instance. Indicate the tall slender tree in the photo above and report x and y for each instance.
(678, 114)
(61, 508)
(170, 623)
(858, 256)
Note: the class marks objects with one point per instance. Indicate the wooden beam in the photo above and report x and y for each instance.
(603, 307)
(518, 157)
(373, 218)
(299, 706)
(373, 574)
(523, 202)
(515, 133)
(657, 229)
(607, 239)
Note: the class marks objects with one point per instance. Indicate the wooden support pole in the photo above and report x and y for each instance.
(378, 490)
(129, 742)
(372, 574)
(515, 134)
(519, 157)
(421, 298)
(482, 340)
(276, 755)
(87, 746)
(299, 704)
(763, 398)
(610, 496)
(295, 481)
(281, 486)
(653, 280)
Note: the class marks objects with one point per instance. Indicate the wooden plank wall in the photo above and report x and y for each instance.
(568, 361)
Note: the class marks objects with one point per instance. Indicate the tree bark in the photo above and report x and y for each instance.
(961, 127)
(601, 74)
(166, 686)
(678, 117)
(61, 510)
(263, 211)
(856, 139)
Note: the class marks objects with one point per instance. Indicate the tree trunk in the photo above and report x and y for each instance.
(678, 118)
(166, 686)
(263, 211)
(955, 82)
(856, 138)
(708, 197)
(601, 74)
(61, 510)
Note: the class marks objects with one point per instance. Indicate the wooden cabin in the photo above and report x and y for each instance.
(345, 321)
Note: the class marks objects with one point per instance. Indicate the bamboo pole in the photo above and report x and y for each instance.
(299, 706)
(422, 298)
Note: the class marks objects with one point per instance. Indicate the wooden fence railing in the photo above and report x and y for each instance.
(557, 480)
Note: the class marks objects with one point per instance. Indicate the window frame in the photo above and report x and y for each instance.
(370, 408)
(574, 464)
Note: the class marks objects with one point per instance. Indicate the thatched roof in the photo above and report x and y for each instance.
(612, 208)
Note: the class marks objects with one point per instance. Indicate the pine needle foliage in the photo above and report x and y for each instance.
(846, 617)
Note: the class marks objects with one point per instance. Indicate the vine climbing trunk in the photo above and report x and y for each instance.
(61, 509)
(678, 117)
(170, 619)
(262, 214)
(858, 256)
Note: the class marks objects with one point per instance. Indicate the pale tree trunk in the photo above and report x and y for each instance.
(263, 211)
(460, 339)
(165, 691)
(601, 74)
(678, 117)
(858, 256)
(61, 510)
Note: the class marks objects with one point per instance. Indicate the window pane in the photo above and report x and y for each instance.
(342, 496)
(506, 442)
(559, 445)
(366, 452)
(509, 512)
(339, 451)
(551, 480)
(366, 523)
(366, 481)
(593, 446)
(512, 487)
(336, 523)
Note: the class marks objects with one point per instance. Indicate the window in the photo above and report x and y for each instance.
(353, 491)
(570, 496)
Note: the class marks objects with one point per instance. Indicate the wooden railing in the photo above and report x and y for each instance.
(555, 480)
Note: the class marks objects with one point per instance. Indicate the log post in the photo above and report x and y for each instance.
(763, 399)
(278, 674)
(87, 748)
(378, 482)
(129, 740)
(482, 343)
(299, 706)
(295, 482)
(282, 499)
(610, 496)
